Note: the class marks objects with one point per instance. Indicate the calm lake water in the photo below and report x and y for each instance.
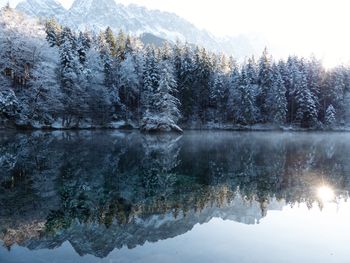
(201, 197)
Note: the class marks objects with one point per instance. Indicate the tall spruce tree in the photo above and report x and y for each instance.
(246, 113)
(277, 98)
(265, 80)
(306, 106)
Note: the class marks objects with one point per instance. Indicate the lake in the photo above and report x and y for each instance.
(111, 196)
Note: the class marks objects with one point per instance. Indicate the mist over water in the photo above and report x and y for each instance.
(127, 197)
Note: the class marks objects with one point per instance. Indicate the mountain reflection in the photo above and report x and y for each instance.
(106, 190)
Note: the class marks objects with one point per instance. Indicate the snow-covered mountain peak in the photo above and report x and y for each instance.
(135, 20)
(41, 8)
(87, 6)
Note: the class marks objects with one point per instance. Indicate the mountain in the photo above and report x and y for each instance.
(47, 8)
(136, 20)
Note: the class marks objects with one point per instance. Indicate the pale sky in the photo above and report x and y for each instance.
(301, 27)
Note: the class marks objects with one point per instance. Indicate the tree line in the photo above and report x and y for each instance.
(51, 74)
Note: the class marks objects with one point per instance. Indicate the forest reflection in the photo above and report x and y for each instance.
(106, 190)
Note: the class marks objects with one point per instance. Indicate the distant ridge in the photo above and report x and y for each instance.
(136, 20)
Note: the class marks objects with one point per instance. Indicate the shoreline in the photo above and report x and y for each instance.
(185, 129)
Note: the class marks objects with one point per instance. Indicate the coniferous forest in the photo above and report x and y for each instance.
(54, 77)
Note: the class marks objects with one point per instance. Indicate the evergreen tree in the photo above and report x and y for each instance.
(218, 98)
(277, 98)
(121, 42)
(330, 118)
(202, 77)
(233, 92)
(150, 82)
(168, 104)
(162, 110)
(68, 58)
(83, 46)
(73, 79)
(265, 79)
(107, 61)
(53, 32)
(111, 41)
(306, 105)
(247, 110)
(184, 67)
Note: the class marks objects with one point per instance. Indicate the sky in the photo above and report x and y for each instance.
(301, 27)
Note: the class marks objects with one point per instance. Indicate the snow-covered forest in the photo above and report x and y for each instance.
(54, 77)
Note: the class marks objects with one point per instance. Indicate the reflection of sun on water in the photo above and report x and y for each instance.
(325, 193)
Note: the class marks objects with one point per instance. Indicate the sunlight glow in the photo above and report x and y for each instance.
(325, 194)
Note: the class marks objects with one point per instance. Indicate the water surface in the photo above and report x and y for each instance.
(202, 197)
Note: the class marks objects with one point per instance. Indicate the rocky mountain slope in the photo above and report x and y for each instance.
(136, 20)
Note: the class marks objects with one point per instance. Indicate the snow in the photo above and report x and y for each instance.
(156, 124)
(80, 80)
(136, 20)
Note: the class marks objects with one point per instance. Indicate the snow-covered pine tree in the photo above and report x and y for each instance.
(168, 103)
(98, 98)
(73, 80)
(106, 60)
(129, 85)
(83, 46)
(185, 78)
(202, 76)
(233, 92)
(53, 32)
(265, 78)
(162, 112)
(251, 71)
(217, 94)
(121, 46)
(150, 82)
(306, 106)
(68, 56)
(277, 98)
(111, 41)
(330, 118)
(247, 111)
(219, 90)
(334, 90)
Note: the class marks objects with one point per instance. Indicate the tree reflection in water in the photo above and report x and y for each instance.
(106, 190)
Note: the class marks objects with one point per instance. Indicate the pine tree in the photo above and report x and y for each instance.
(111, 41)
(53, 32)
(162, 107)
(202, 77)
(73, 79)
(330, 118)
(306, 105)
(150, 82)
(121, 46)
(217, 94)
(83, 46)
(168, 104)
(107, 61)
(233, 92)
(265, 78)
(129, 85)
(184, 67)
(277, 98)
(251, 71)
(247, 110)
(68, 58)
